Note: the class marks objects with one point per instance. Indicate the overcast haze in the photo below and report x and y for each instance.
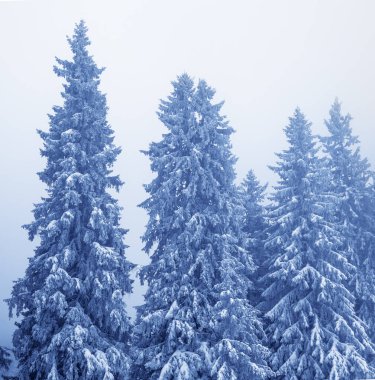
(263, 57)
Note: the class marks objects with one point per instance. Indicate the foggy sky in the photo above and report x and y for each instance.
(263, 57)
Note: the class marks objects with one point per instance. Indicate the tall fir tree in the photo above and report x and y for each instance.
(73, 321)
(252, 195)
(254, 226)
(313, 329)
(196, 322)
(366, 269)
(353, 187)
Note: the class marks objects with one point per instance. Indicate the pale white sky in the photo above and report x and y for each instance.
(263, 57)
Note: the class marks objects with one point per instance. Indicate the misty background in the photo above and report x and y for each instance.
(263, 57)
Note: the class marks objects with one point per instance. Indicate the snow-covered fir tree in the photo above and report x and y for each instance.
(313, 330)
(196, 322)
(252, 195)
(254, 225)
(73, 321)
(353, 186)
(366, 269)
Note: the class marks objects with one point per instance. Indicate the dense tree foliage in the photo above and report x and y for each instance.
(313, 330)
(74, 323)
(352, 184)
(238, 286)
(196, 322)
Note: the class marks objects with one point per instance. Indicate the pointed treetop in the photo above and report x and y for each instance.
(343, 149)
(298, 131)
(184, 78)
(183, 81)
(205, 94)
(299, 119)
(82, 66)
(204, 88)
(251, 179)
(80, 35)
(339, 125)
(252, 186)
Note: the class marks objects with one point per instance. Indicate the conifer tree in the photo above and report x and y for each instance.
(252, 195)
(351, 183)
(254, 226)
(196, 322)
(313, 329)
(73, 321)
(366, 269)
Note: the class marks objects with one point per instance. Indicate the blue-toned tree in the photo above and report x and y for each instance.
(73, 321)
(365, 288)
(313, 329)
(254, 226)
(196, 322)
(352, 184)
